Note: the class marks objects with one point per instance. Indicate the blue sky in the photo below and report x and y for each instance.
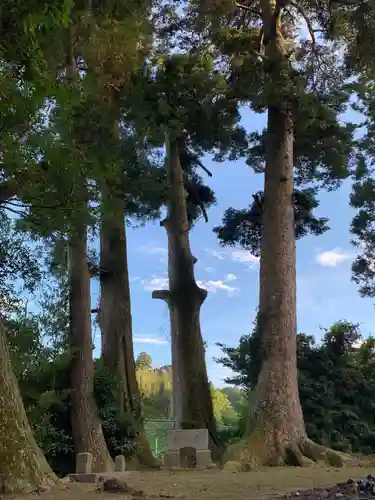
(325, 292)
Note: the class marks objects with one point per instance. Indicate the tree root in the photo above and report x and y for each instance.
(254, 452)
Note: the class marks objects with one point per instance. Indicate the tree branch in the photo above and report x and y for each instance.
(7, 190)
(249, 9)
(307, 21)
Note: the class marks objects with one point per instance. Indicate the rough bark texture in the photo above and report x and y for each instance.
(23, 467)
(116, 319)
(278, 434)
(86, 426)
(176, 362)
(186, 299)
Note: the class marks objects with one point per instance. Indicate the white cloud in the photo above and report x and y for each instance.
(245, 257)
(155, 283)
(331, 258)
(215, 253)
(158, 251)
(210, 269)
(230, 277)
(238, 255)
(214, 285)
(161, 283)
(148, 340)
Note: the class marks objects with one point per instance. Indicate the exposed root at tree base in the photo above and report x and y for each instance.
(253, 452)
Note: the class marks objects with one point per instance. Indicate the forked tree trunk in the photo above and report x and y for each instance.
(23, 467)
(86, 426)
(277, 435)
(116, 319)
(186, 299)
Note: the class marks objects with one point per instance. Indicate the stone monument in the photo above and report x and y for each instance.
(182, 439)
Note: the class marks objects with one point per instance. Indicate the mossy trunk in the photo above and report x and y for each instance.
(116, 319)
(23, 467)
(86, 426)
(186, 299)
(277, 435)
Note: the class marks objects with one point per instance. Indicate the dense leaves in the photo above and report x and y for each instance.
(336, 383)
(244, 227)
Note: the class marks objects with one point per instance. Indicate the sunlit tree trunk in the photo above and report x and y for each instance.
(23, 467)
(116, 318)
(277, 434)
(86, 426)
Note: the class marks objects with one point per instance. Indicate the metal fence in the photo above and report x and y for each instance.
(156, 431)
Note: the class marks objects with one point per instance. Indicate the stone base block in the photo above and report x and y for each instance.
(84, 463)
(120, 464)
(204, 458)
(83, 478)
(172, 459)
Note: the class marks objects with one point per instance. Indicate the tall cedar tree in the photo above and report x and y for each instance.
(86, 426)
(186, 108)
(115, 47)
(298, 83)
(25, 83)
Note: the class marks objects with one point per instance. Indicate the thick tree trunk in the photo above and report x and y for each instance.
(23, 467)
(86, 426)
(277, 435)
(186, 299)
(116, 319)
(177, 395)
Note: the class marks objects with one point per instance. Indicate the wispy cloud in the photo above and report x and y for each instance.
(155, 283)
(245, 257)
(139, 339)
(235, 255)
(220, 255)
(155, 250)
(161, 283)
(331, 258)
(210, 269)
(230, 277)
(214, 285)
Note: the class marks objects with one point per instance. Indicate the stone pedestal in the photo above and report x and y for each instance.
(120, 464)
(84, 463)
(196, 439)
(172, 458)
(204, 458)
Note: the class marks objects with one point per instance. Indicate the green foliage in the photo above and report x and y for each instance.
(336, 383)
(43, 376)
(144, 361)
(244, 227)
(362, 197)
(18, 263)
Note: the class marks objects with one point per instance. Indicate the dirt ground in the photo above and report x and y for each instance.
(267, 484)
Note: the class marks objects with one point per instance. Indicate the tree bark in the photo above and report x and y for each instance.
(116, 319)
(86, 426)
(277, 435)
(23, 467)
(176, 362)
(186, 299)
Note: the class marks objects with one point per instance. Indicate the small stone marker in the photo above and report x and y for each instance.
(120, 464)
(84, 463)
